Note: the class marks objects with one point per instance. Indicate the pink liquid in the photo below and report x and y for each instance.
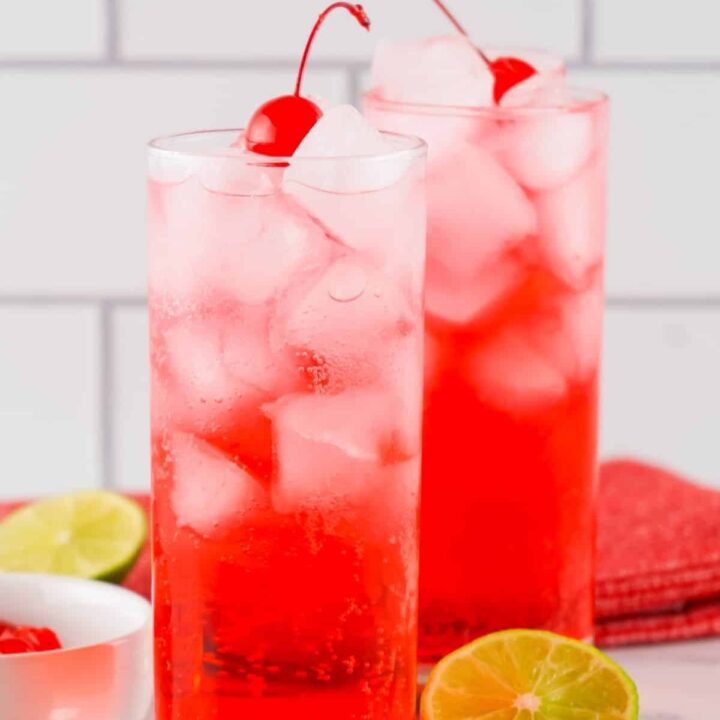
(286, 355)
(514, 303)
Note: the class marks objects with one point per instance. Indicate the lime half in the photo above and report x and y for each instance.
(528, 675)
(95, 535)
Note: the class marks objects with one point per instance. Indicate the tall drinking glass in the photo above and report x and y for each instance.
(286, 336)
(514, 311)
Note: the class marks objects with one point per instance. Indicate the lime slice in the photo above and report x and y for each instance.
(94, 535)
(528, 675)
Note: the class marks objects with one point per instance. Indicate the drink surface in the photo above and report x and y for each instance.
(514, 303)
(286, 324)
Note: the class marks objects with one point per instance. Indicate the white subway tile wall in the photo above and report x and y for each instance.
(664, 224)
(129, 442)
(47, 29)
(276, 30)
(73, 148)
(662, 387)
(51, 409)
(83, 90)
(657, 30)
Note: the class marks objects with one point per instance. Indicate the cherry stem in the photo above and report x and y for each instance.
(357, 11)
(459, 27)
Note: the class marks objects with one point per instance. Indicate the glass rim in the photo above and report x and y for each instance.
(170, 147)
(587, 99)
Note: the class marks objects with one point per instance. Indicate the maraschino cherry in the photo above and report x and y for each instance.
(17, 639)
(279, 126)
(508, 71)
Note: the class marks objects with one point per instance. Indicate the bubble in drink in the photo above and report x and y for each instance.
(347, 281)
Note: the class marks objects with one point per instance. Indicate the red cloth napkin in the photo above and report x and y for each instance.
(658, 556)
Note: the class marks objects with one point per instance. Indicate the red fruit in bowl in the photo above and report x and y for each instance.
(16, 639)
(13, 646)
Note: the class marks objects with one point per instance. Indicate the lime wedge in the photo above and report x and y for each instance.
(94, 535)
(528, 675)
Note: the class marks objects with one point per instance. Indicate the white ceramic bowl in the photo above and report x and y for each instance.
(103, 672)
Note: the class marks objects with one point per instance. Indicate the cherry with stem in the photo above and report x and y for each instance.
(508, 71)
(279, 126)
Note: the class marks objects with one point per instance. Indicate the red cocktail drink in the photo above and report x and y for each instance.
(514, 301)
(287, 328)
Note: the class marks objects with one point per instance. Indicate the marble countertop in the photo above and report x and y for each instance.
(678, 681)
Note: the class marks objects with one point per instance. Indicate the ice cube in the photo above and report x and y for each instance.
(239, 172)
(510, 373)
(209, 491)
(218, 371)
(437, 71)
(263, 261)
(344, 318)
(538, 91)
(476, 213)
(572, 225)
(168, 168)
(574, 340)
(332, 449)
(343, 133)
(441, 131)
(175, 241)
(206, 244)
(533, 362)
(544, 150)
(387, 225)
(460, 301)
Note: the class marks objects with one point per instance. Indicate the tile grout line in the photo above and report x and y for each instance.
(588, 32)
(623, 302)
(43, 299)
(107, 362)
(177, 63)
(112, 31)
(662, 302)
(707, 65)
(354, 86)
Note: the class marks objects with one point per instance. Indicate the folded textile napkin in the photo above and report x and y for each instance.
(658, 556)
